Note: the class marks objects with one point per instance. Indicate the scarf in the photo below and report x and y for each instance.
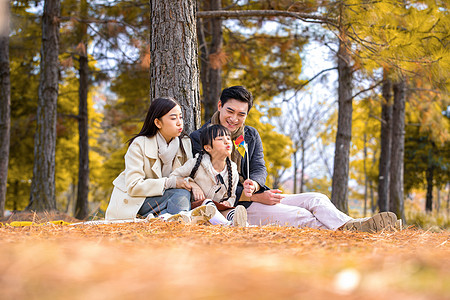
(235, 155)
(167, 152)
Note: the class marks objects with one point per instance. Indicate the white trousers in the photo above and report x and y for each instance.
(312, 210)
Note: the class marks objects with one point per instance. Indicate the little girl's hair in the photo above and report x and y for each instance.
(207, 137)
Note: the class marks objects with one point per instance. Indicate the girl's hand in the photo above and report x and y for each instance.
(197, 192)
(249, 187)
(183, 184)
(226, 203)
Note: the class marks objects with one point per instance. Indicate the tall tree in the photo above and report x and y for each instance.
(5, 102)
(212, 57)
(174, 61)
(81, 207)
(396, 200)
(339, 192)
(385, 145)
(42, 196)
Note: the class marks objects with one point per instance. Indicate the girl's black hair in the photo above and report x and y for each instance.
(158, 108)
(207, 137)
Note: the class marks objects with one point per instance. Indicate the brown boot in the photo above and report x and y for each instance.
(376, 223)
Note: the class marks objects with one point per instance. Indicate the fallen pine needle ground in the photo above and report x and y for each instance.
(161, 260)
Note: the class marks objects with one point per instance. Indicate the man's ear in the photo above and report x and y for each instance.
(219, 105)
(158, 123)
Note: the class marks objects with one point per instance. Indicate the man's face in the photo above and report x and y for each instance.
(233, 114)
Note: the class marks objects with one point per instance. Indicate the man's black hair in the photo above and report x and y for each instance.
(239, 93)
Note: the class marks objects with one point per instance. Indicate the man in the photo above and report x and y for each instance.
(269, 206)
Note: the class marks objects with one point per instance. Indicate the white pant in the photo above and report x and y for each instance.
(312, 210)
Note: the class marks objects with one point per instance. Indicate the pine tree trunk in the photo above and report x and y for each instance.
(173, 48)
(81, 206)
(42, 196)
(385, 145)
(211, 73)
(295, 170)
(396, 201)
(302, 166)
(339, 192)
(5, 103)
(366, 177)
(429, 178)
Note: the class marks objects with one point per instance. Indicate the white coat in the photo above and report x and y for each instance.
(141, 178)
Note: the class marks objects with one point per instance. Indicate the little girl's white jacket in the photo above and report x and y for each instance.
(141, 178)
(207, 180)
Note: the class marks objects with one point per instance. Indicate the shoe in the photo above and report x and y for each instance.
(376, 223)
(240, 216)
(398, 225)
(180, 218)
(202, 214)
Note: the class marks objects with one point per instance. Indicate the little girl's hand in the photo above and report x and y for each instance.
(197, 192)
(249, 187)
(226, 203)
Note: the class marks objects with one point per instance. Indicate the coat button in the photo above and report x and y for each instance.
(125, 201)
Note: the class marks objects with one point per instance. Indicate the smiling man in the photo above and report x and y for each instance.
(268, 206)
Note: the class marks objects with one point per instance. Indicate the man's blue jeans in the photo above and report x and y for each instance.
(172, 201)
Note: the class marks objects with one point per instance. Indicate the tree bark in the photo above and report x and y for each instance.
(5, 103)
(42, 196)
(366, 177)
(339, 192)
(295, 169)
(81, 206)
(429, 198)
(173, 50)
(302, 166)
(385, 145)
(210, 64)
(396, 201)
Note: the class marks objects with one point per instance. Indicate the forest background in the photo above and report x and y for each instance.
(379, 54)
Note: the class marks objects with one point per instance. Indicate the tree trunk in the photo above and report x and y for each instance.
(366, 179)
(173, 48)
(5, 103)
(396, 201)
(385, 145)
(429, 178)
(339, 192)
(302, 166)
(42, 196)
(81, 206)
(295, 170)
(210, 62)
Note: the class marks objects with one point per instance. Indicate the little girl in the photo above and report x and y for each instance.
(214, 177)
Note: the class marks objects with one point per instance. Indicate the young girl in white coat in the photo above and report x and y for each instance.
(214, 177)
(144, 189)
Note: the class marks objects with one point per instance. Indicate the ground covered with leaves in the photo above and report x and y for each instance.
(159, 260)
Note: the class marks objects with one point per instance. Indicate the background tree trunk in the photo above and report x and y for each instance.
(173, 51)
(5, 102)
(385, 145)
(81, 206)
(42, 196)
(396, 201)
(429, 178)
(339, 192)
(210, 57)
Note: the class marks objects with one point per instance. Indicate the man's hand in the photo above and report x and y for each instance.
(197, 192)
(183, 184)
(270, 197)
